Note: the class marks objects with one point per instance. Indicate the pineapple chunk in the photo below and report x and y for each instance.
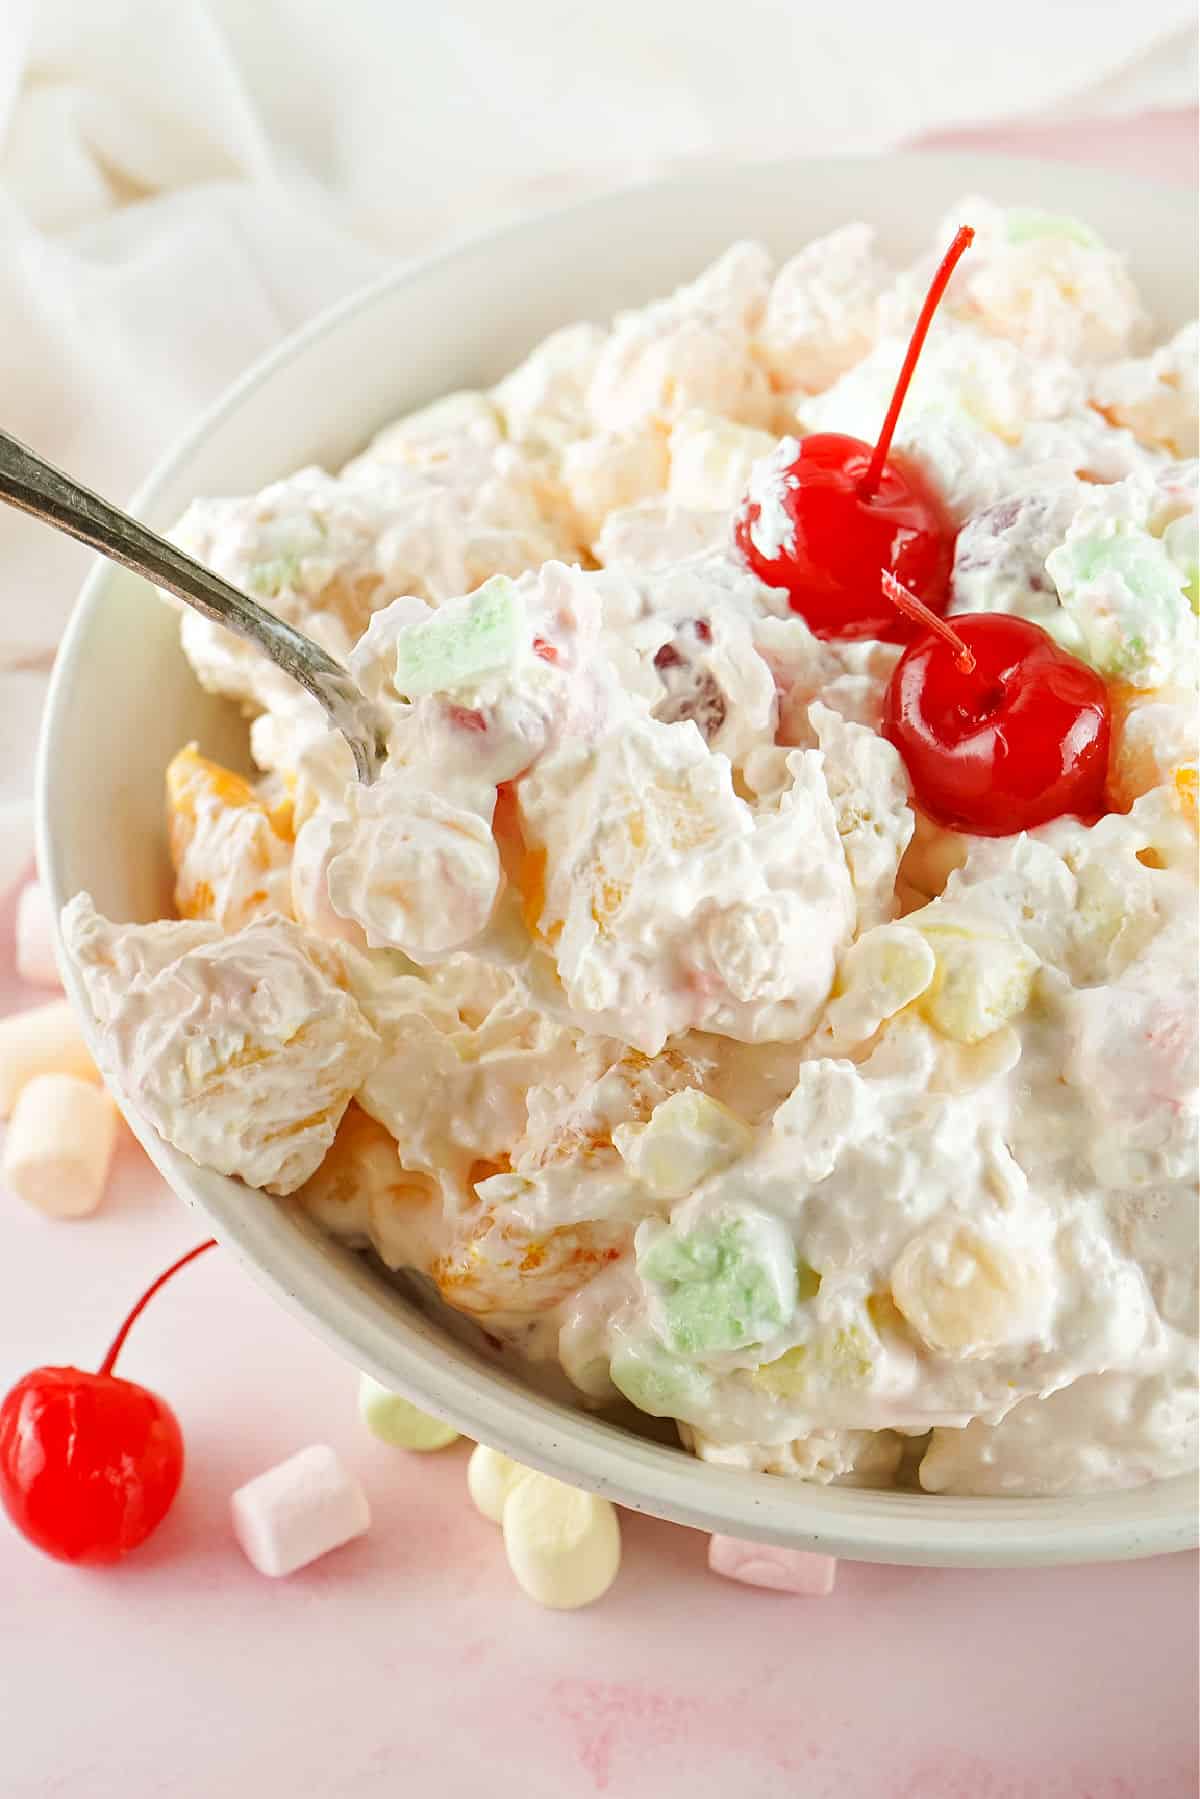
(982, 980)
(710, 460)
(880, 974)
(611, 470)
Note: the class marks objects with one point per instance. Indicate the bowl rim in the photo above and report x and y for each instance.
(880, 1526)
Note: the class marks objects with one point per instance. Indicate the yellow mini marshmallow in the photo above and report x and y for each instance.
(491, 1477)
(687, 1137)
(563, 1546)
(396, 1420)
(59, 1145)
(964, 1293)
(838, 1358)
(43, 1040)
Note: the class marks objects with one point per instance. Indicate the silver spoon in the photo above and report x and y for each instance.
(37, 487)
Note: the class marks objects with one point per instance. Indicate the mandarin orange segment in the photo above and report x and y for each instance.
(282, 819)
(645, 1081)
(200, 792)
(199, 902)
(532, 883)
(502, 1267)
(192, 780)
(362, 1174)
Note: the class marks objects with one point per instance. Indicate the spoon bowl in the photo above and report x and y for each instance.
(35, 486)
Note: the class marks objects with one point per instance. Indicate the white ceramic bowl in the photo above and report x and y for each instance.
(123, 700)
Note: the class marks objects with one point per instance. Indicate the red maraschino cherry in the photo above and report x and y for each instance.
(90, 1463)
(855, 510)
(1000, 728)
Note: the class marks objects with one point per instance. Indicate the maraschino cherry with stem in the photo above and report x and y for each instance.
(90, 1463)
(853, 509)
(1000, 728)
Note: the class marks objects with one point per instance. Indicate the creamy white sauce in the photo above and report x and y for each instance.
(649, 1030)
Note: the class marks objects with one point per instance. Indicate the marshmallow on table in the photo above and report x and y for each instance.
(43, 1040)
(36, 960)
(298, 1511)
(782, 1570)
(59, 1144)
(491, 1477)
(563, 1546)
(394, 1419)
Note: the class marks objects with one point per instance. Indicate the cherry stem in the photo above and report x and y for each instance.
(106, 1367)
(964, 237)
(919, 612)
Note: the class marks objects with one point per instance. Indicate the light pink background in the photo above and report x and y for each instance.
(409, 1663)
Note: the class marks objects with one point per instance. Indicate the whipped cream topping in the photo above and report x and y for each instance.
(243, 1051)
(693, 351)
(636, 1007)
(668, 904)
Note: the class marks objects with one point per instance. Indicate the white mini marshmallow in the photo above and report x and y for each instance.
(563, 1546)
(36, 960)
(59, 1145)
(298, 1511)
(491, 1477)
(782, 1570)
(43, 1040)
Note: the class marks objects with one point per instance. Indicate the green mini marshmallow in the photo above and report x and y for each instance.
(464, 640)
(660, 1384)
(267, 580)
(728, 1283)
(1181, 540)
(395, 1420)
(1025, 224)
(1126, 599)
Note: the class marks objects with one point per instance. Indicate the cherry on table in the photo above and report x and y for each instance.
(1000, 728)
(855, 510)
(90, 1463)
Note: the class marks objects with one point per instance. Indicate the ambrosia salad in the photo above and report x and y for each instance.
(769, 1005)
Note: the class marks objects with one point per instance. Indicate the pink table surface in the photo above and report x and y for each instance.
(409, 1663)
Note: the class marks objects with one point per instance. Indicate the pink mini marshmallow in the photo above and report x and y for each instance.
(36, 960)
(16, 842)
(782, 1570)
(299, 1510)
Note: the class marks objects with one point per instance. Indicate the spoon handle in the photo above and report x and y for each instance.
(35, 486)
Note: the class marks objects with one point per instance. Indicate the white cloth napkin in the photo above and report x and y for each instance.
(183, 181)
